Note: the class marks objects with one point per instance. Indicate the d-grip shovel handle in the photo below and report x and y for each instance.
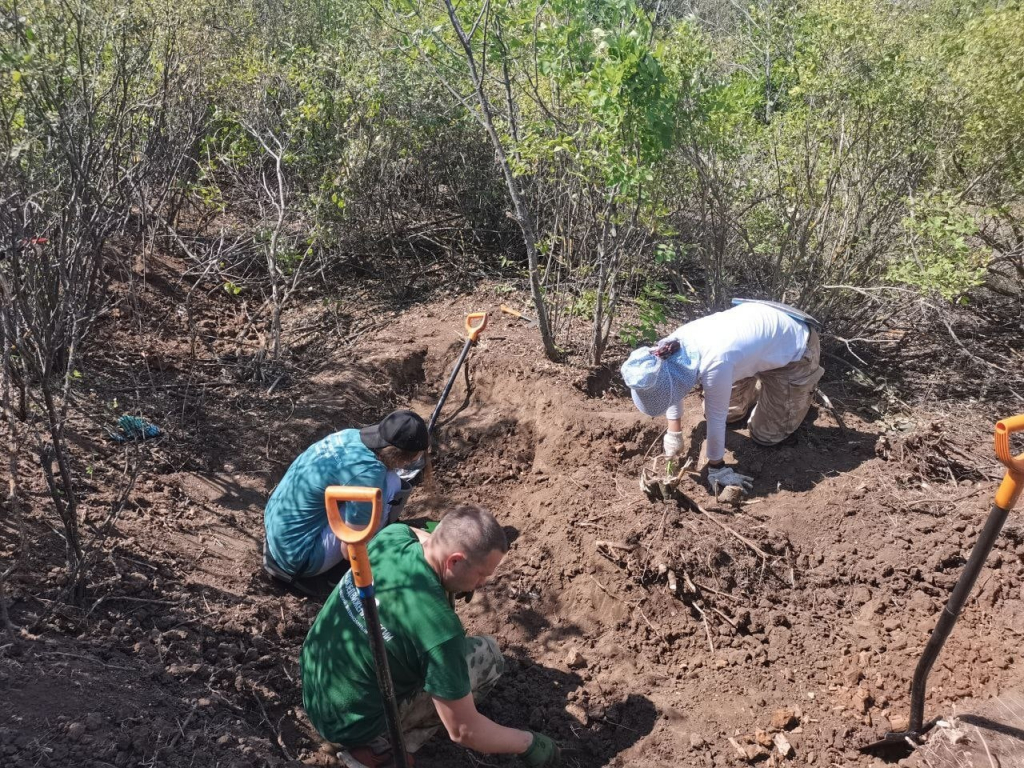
(1010, 489)
(354, 538)
(475, 323)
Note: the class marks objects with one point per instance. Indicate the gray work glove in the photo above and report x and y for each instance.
(673, 444)
(720, 477)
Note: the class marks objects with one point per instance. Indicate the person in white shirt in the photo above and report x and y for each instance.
(751, 355)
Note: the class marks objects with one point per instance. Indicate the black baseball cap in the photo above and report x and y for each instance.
(404, 430)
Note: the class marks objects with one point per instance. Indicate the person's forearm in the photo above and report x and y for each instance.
(717, 393)
(674, 417)
(485, 735)
(715, 445)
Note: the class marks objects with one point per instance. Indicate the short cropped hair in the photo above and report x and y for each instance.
(471, 530)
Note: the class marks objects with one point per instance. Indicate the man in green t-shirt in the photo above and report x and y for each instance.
(437, 670)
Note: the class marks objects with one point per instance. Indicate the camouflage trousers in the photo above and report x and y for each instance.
(781, 397)
(418, 714)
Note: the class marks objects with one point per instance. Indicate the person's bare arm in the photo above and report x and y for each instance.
(469, 728)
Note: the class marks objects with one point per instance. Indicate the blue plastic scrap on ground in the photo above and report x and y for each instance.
(134, 428)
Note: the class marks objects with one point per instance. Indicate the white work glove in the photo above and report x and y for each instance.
(720, 477)
(673, 443)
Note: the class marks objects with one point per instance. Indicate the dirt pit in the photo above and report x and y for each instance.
(637, 633)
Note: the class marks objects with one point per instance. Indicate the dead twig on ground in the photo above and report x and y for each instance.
(477, 761)
(615, 545)
(707, 626)
(728, 620)
(648, 623)
(955, 500)
(182, 727)
(225, 700)
(714, 591)
(270, 724)
(694, 598)
(126, 599)
(88, 659)
(740, 537)
(992, 762)
(609, 592)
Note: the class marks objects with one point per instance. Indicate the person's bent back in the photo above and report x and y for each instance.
(300, 541)
(438, 671)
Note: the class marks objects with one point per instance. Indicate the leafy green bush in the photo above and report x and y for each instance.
(941, 254)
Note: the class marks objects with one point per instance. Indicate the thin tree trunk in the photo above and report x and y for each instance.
(13, 491)
(523, 216)
(64, 498)
(597, 347)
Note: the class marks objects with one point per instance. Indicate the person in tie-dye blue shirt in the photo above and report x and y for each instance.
(300, 542)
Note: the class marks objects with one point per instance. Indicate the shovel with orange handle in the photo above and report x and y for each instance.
(1006, 497)
(355, 540)
(530, 322)
(475, 324)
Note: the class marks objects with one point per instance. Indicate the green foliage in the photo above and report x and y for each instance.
(600, 62)
(986, 64)
(583, 305)
(784, 147)
(652, 306)
(940, 256)
(609, 105)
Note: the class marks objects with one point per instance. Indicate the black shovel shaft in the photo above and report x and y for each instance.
(951, 612)
(387, 687)
(448, 387)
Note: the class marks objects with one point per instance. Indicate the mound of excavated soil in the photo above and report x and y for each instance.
(638, 633)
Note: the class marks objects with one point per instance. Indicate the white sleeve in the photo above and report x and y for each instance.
(677, 334)
(675, 411)
(717, 393)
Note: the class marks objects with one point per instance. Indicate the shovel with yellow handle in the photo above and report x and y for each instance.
(1006, 497)
(355, 539)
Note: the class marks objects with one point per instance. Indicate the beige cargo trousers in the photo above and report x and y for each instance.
(419, 717)
(781, 397)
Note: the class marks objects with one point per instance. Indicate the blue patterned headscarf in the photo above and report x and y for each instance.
(658, 384)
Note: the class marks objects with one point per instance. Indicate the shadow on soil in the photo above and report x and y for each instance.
(218, 668)
(801, 461)
(536, 697)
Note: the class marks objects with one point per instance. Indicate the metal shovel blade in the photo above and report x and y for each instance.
(896, 745)
(530, 322)
(475, 324)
